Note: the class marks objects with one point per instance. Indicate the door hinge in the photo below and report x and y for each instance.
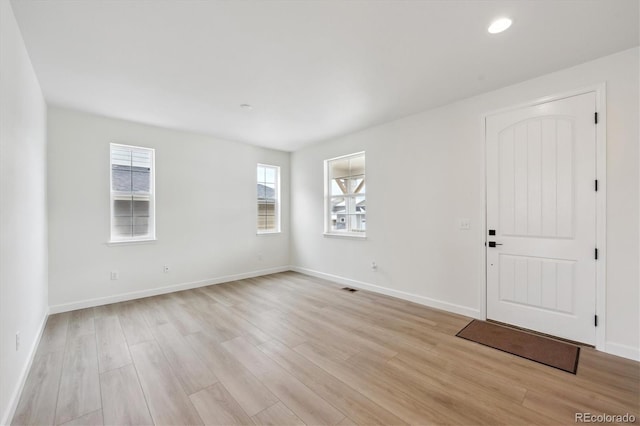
(595, 320)
(596, 254)
(596, 185)
(595, 117)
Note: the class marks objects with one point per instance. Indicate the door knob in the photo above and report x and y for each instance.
(493, 244)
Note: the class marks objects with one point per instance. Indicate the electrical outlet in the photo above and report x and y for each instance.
(259, 256)
(17, 341)
(115, 275)
(374, 266)
(166, 269)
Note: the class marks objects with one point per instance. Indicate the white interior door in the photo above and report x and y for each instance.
(541, 203)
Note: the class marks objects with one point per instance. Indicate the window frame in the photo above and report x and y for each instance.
(114, 195)
(328, 231)
(278, 202)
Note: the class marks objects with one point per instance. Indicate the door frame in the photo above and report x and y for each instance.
(601, 199)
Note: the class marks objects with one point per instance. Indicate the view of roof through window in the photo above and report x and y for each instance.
(347, 199)
(265, 192)
(268, 207)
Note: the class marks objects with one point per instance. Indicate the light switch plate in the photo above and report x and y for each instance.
(465, 224)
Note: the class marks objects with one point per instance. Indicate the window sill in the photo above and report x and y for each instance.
(131, 242)
(269, 233)
(345, 235)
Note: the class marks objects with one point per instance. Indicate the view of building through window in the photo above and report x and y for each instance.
(346, 198)
(131, 193)
(268, 198)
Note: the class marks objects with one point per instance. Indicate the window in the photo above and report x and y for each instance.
(345, 207)
(132, 193)
(268, 199)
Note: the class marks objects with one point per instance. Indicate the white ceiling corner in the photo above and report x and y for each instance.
(312, 70)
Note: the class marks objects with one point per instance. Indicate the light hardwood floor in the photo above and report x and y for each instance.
(288, 349)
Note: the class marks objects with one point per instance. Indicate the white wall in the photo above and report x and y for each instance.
(23, 215)
(426, 171)
(205, 212)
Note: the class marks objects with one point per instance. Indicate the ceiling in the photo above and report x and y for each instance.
(311, 70)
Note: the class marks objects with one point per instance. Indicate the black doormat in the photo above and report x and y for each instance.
(544, 350)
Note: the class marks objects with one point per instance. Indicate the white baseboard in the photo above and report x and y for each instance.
(623, 351)
(122, 297)
(22, 379)
(617, 349)
(422, 300)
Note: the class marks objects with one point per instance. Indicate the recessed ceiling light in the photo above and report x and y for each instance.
(499, 25)
(246, 106)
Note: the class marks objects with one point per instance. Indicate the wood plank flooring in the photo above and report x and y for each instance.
(288, 349)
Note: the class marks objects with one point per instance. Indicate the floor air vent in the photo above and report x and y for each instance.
(349, 289)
